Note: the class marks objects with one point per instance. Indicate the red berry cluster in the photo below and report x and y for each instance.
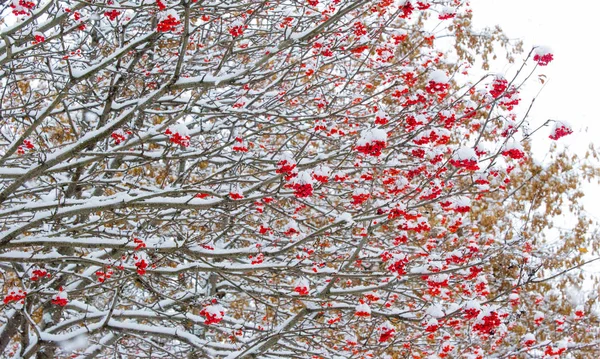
(433, 87)
(38, 274)
(22, 7)
(551, 352)
(38, 39)
(514, 153)
(213, 313)
(237, 30)
(381, 120)
(362, 310)
(432, 327)
(446, 16)
(559, 132)
(120, 136)
(543, 60)
(27, 144)
(60, 299)
(386, 334)
(510, 99)
(139, 244)
(141, 265)
(498, 87)
(423, 5)
(177, 138)
(467, 164)
(168, 24)
(360, 29)
(433, 137)
(487, 324)
(264, 230)
(235, 196)
(301, 290)
(102, 275)
(372, 149)
(358, 199)
(321, 178)
(471, 313)
(15, 295)
(406, 9)
(291, 231)
(241, 147)
(399, 266)
(285, 167)
(258, 259)
(112, 14)
(302, 190)
(448, 120)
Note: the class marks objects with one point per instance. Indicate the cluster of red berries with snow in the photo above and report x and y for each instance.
(258, 259)
(214, 313)
(178, 135)
(386, 332)
(104, 275)
(408, 8)
(359, 196)
(61, 298)
(528, 339)
(438, 82)
(38, 38)
(556, 350)
(139, 244)
(38, 274)
(22, 7)
(372, 142)
(499, 86)
(27, 144)
(236, 28)
(15, 295)
(543, 55)
(514, 150)
(362, 309)
(351, 339)
(447, 13)
(240, 145)
(287, 166)
(168, 21)
(381, 118)
(302, 287)
(141, 263)
(291, 229)
(560, 129)
(321, 174)
(120, 136)
(302, 185)
(465, 158)
(398, 263)
(487, 322)
(460, 204)
(236, 194)
(112, 14)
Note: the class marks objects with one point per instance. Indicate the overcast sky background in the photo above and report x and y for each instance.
(572, 92)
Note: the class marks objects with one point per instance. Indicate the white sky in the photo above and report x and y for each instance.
(572, 92)
(571, 32)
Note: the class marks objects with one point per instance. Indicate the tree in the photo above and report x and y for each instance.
(267, 179)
